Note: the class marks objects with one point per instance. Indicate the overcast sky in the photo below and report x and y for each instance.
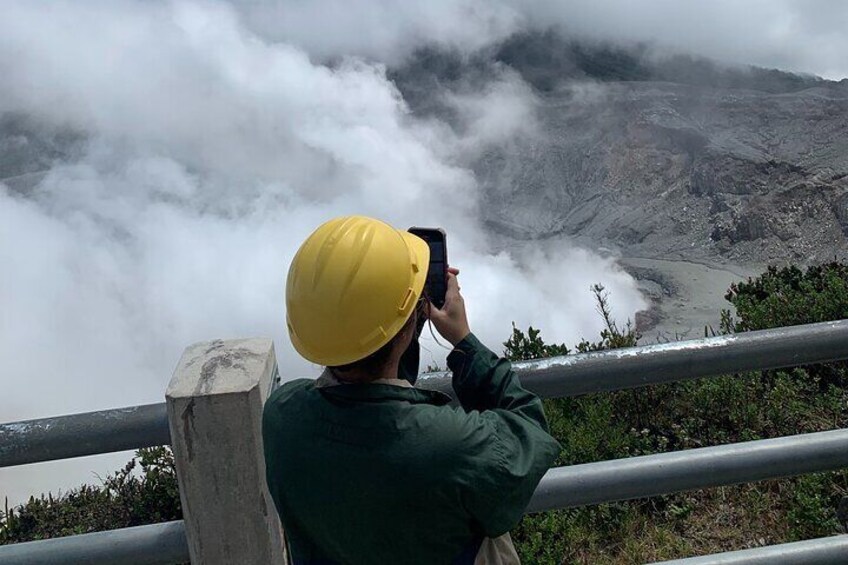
(799, 35)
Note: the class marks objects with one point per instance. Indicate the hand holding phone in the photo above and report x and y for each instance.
(442, 288)
(451, 320)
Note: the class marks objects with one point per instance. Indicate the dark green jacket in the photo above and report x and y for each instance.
(378, 473)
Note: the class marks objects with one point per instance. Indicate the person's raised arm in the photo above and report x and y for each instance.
(509, 447)
(481, 379)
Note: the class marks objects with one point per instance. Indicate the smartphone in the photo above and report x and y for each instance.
(437, 273)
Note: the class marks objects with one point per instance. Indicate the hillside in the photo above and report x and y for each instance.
(663, 169)
(694, 173)
(673, 157)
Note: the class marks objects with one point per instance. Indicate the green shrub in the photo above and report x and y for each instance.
(812, 502)
(788, 296)
(698, 413)
(145, 491)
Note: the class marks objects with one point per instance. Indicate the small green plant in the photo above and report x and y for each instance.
(612, 337)
(812, 509)
(521, 346)
(588, 430)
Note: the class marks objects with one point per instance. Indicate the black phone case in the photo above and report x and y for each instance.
(437, 271)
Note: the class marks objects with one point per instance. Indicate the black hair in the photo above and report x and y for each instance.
(376, 362)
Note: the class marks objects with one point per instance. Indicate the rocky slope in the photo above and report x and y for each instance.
(660, 158)
(663, 169)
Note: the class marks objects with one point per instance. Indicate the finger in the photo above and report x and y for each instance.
(453, 270)
(453, 285)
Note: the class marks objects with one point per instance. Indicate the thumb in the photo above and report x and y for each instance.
(452, 292)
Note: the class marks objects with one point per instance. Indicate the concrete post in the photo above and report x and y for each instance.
(215, 401)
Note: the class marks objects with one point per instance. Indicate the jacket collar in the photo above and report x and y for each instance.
(382, 389)
(328, 378)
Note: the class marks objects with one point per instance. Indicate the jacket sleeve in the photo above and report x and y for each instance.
(482, 381)
(509, 449)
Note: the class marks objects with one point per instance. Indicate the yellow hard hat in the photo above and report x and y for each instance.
(352, 286)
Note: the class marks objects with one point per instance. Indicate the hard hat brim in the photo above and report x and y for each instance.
(420, 253)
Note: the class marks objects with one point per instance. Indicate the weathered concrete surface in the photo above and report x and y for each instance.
(215, 403)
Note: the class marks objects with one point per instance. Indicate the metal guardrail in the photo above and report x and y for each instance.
(91, 433)
(592, 483)
(633, 367)
(156, 544)
(121, 429)
(676, 471)
(823, 551)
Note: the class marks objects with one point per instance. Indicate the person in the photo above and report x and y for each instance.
(364, 467)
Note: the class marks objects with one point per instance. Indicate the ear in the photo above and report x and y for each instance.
(406, 332)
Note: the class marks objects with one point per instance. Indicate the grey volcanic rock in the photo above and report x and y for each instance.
(670, 170)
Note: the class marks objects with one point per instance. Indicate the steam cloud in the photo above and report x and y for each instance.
(209, 140)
